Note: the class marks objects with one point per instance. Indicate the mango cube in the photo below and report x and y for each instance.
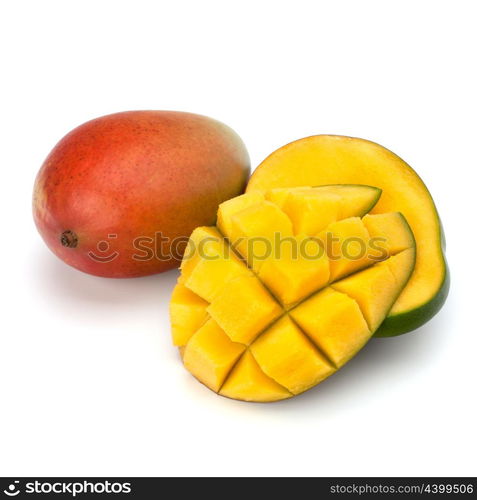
(256, 231)
(286, 355)
(244, 309)
(335, 323)
(301, 268)
(210, 355)
(187, 312)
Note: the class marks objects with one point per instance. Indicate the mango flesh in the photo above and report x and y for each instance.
(377, 286)
(322, 160)
(188, 313)
(247, 381)
(335, 323)
(285, 354)
(347, 242)
(210, 354)
(253, 225)
(212, 264)
(334, 202)
(244, 309)
(119, 195)
(292, 278)
(275, 330)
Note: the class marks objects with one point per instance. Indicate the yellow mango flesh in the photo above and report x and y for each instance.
(401, 263)
(248, 382)
(291, 276)
(244, 309)
(302, 208)
(210, 263)
(187, 312)
(255, 231)
(376, 289)
(324, 160)
(205, 241)
(354, 201)
(335, 323)
(275, 331)
(389, 231)
(231, 207)
(210, 355)
(347, 244)
(208, 276)
(285, 354)
(350, 200)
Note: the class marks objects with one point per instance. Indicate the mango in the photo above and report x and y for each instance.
(331, 159)
(270, 327)
(119, 195)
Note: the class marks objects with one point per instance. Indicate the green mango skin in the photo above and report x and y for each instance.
(411, 320)
(408, 321)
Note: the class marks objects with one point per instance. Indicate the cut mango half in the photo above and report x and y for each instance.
(325, 159)
(269, 322)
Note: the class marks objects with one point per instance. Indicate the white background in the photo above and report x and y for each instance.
(90, 383)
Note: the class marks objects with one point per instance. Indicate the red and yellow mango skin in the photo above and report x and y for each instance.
(132, 175)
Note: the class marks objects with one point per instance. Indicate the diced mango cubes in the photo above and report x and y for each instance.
(287, 289)
(244, 309)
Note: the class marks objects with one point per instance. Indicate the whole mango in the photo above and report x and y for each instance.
(119, 195)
